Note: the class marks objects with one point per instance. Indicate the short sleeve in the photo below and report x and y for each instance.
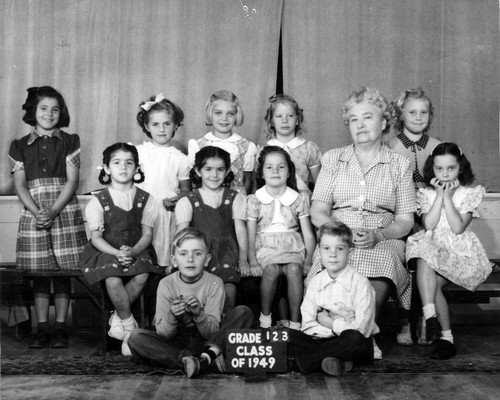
(405, 191)
(16, 159)
(303, 205)
(73, 158)
(249, 158)
(193, 148)
(240, 207)
(424, 201)
(471, 200)
(314, 155)
(94, 215)
(323, 190)
(150, 213)
(253, 207)
(183, 211)
(184, 168)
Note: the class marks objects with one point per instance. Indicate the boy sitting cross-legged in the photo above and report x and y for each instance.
(338, 310)
(188, 316)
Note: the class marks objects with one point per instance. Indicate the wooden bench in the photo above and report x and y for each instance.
(487, 290)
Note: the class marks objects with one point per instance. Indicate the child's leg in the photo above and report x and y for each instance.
(442, 305)
(119, 296)
(230, 289)
(62, 297)
(267, 290)
(426, 282)
(135, 286)
(41, 298)
(293, 273)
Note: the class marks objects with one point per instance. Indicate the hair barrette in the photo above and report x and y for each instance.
(148, 104)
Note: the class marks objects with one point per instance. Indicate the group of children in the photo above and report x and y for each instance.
(160, 206)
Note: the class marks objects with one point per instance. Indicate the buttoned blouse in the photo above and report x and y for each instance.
(367, 200)
(43, 156)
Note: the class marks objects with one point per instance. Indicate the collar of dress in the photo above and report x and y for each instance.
(384, 156)
(233, 138)
(292, 144)
(286, 200)
(34, 135)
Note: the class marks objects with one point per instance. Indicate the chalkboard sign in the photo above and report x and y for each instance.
(250, 350)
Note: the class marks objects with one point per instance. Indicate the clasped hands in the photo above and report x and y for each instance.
(445, 188)
(340, 311)
(44, 218)
(186, 305)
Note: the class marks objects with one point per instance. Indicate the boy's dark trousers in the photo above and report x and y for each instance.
(308, 352)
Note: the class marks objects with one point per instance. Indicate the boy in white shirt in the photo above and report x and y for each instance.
(338, 310)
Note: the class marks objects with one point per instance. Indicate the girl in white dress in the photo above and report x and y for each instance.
(447, 250)
(165, 167)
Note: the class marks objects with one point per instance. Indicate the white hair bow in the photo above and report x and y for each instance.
(148, 104)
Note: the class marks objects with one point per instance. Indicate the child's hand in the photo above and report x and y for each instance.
(168, 270)
(343, 312)
(193, 305)
(170, 203)
(42, 218)
(255, 269)
(450, 187)
(124, 256)
(244, 268)
(306, 267)
(324, 319)
(438, 185)
(178, 307)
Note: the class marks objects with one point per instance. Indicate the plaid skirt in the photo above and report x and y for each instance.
(57, 247)
(385, 260)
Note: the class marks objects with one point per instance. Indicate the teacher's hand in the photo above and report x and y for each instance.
(364, 239)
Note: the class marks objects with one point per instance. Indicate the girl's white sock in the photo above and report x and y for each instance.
(295, 325)
(429, 311)
(265, 320)
(446, 335)
(129, 323)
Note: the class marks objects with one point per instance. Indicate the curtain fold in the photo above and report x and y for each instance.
(449, 47)
(107, 56)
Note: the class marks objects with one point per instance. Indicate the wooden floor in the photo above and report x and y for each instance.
(296, 387)
(355, 385)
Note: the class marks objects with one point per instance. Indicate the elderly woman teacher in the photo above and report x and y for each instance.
(369, 188)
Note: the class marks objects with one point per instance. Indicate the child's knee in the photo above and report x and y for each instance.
(271, 271)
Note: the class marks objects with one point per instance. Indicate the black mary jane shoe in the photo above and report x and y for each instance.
(432, 329)
(59, 339)
(444, 350)
(40, 339)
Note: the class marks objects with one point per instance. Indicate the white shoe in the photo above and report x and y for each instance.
(377, 353)
(116, 329)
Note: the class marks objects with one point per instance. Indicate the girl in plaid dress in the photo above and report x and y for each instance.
(223, 112)
(121, 219)
(45, 165)
(280, 235)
